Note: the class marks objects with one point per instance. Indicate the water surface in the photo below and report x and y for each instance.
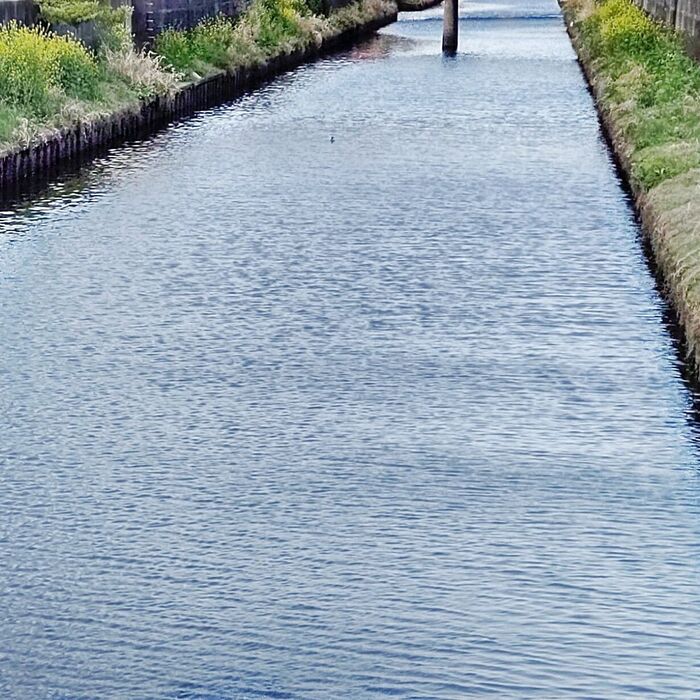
(396, 415)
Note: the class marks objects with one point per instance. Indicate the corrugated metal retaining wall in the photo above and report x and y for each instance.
(23, 169)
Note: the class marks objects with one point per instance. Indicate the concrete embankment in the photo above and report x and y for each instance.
(22, 11)
(667, 199)
(68, 148)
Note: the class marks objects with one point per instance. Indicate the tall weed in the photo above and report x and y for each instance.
(652, 86)
(35, 64)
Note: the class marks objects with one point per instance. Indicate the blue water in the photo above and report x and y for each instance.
(394, 416)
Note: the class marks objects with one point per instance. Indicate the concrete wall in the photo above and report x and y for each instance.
(87, 32)
(151, 17)
(688, 22)
(663, 10)
(683, 15)
(24, 11)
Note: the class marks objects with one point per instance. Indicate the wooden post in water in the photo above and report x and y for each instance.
(450, 26)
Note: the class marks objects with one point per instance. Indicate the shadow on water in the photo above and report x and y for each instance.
(67, 180)
(685, 363)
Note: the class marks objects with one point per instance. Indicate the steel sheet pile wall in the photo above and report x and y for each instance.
(23, 168)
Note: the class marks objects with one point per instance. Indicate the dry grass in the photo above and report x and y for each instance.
(649, 90)
(270, 28)
(122, 78)
(143, 71)
(673, 208)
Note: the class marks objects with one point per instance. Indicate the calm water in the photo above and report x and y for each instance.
(392, 416)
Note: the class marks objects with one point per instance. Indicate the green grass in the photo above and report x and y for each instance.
(270, 27)
(70, 11)
(201, 49)
(48, 81)
(39, 72)
(649, 89)
(652, 87)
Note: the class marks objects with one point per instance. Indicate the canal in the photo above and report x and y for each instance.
(393, 414)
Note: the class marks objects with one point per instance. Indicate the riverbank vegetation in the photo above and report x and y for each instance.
(48, 81)
(269, 28)
(77, 11)
(651, 87)
(648, 90)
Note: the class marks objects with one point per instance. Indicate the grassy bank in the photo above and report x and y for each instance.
(269, 28)
(48, 82)
(648, 92)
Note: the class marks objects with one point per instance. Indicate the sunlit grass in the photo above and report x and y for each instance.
(269, 28)
(49, 81)
(652, 87)
(649, 89)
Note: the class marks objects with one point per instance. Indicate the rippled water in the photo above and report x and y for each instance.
(396, 415)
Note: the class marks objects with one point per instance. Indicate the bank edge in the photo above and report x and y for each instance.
(68, 148)
(659, 223)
